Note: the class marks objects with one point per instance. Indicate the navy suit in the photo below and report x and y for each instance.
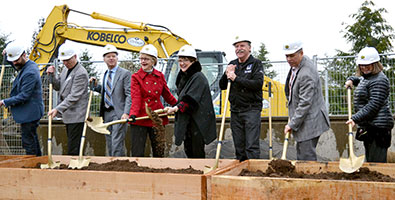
(27, 105)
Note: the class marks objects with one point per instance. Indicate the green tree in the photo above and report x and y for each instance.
(369, 29)
(130, 62)
(261, 55)
(3, 43)
(85, 62)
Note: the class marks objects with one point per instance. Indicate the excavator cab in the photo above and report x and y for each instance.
(213, 66)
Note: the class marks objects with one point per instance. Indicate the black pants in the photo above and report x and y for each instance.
(30, 139)
(246, 129)
(194, 142)
(139, 138)
(376, 144)
(74, 134)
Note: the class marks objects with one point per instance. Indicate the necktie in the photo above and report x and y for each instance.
(107, 96)
(291, 80)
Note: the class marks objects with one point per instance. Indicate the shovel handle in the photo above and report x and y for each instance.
(129, 120)
(285, 147)
(350, 134)
(349, 108)
(2, 70)
(221, 131)
(82, 143)
(270, 122)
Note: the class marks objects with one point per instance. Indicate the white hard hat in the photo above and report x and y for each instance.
(187, 50)
(150, 50)
(109, 48)
(292, 46)
(66, 52)
(14, 51)
(240, 39)
(367, 56)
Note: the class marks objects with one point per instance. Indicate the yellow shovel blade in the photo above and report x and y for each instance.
(97, 125)
(352, 164)
(79, 163)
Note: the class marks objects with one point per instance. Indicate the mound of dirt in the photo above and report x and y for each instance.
(129, 166)
(284, 168)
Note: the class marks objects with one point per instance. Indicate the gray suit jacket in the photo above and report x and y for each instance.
(120, 93)
(306, 107)
(73, 94)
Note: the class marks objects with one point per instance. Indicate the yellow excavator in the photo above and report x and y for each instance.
(131, 36)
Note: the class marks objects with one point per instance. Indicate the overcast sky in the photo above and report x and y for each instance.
(211, 24)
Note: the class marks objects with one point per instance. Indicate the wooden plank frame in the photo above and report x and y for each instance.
(27, 183)
(226, 184)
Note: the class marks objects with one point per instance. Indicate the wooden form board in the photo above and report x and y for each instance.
(226, 184)
(7, 157)
(27, 183)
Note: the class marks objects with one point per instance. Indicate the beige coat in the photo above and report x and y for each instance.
(73, 94)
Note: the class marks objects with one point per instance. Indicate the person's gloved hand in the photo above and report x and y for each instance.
(132, 118)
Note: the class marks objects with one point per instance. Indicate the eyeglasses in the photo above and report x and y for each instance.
(145, 59)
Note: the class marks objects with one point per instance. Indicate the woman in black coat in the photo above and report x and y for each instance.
(195, 118)
(371, 104)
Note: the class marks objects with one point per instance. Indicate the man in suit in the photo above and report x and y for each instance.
(308, 116)
(73, 96)
(25, 100)
(115, 100)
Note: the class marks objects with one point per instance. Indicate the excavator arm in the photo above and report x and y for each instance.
(130, 37)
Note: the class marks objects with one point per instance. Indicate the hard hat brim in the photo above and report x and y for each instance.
(241, 41)
(366, 62)
(14, 58)
(104, 54)
(291, 51)
(65, 57)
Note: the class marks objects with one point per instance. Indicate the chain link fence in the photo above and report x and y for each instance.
(333, 72)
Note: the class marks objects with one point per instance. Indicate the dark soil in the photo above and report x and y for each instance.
(285, 169)
(129, 166)
(160, 132)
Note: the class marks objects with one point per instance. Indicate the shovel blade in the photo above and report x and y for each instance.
(79, 163)
(97, 125)
(208, 169)
(52, 165)
(352, 164)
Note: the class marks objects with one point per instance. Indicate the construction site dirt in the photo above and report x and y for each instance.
(285, 169)
(128, 166)
(159, 130)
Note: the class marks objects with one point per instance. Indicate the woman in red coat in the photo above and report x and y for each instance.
(147, 86)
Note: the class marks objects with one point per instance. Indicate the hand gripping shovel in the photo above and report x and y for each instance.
(208, 169)
(97, 125)
(353, 163)
(50, 164)
(83, 162)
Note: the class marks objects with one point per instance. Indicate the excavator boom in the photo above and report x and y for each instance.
(131, 37)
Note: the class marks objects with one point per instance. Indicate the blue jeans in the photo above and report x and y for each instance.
(30, 139)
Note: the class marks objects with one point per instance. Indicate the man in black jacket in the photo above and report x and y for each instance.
(246, 76)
